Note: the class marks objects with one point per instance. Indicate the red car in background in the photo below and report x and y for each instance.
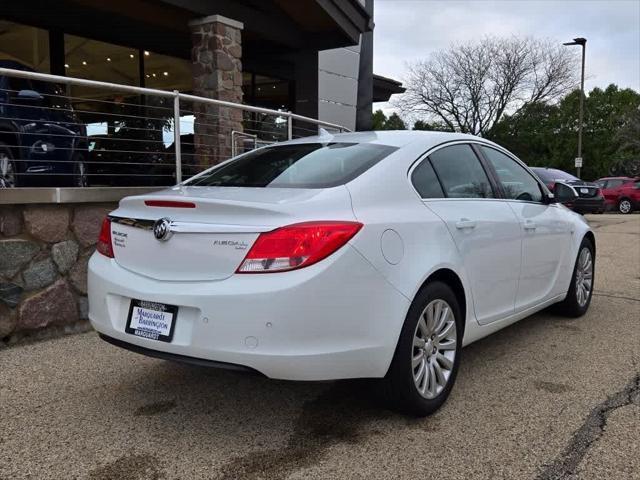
(621, 193)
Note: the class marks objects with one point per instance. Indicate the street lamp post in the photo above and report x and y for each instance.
(583, 43)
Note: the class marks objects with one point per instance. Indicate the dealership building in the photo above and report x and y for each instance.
(311, 57)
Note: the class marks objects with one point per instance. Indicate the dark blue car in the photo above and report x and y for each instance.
(42, 141)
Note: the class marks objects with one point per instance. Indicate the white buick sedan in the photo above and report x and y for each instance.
(376, 254)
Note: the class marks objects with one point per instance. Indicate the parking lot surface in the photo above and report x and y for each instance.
(546, 398)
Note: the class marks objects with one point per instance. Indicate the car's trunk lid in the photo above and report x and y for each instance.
(210, 240)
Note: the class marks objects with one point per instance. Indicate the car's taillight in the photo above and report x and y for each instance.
(296, 246)
(104, 245)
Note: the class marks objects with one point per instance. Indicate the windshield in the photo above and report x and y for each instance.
(551, 175)
(304, 165)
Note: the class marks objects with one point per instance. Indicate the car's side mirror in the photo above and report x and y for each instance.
(28, 96)
(563, 193)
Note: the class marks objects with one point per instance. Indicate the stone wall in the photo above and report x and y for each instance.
(44, 250)
(216, 55)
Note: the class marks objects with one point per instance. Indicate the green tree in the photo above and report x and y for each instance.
(381, 122)
(544, 134)
(394, 122)
(378, 120)
(433, 126)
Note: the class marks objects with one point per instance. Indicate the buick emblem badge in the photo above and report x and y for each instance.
(162, 229)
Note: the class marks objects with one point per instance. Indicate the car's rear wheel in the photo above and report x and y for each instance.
(427, 356)
(8, 173)
(580, 291)
(624, 206)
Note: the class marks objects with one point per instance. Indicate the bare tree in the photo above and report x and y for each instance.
(470, 86)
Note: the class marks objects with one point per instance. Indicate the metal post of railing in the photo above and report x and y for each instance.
(176, 135)
(289, 127)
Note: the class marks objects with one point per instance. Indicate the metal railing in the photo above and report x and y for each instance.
(76, 136)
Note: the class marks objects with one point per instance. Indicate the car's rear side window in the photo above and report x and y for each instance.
(461, 173)
(303, 165)
(425, 181)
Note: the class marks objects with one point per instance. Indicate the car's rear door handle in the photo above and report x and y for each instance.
(465, 223)
(529, 225)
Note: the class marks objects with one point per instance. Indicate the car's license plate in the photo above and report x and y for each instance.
(151, 320)
(584, 190)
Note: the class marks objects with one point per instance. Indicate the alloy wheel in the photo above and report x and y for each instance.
(584, 276)
(434, 348)
(624, 206)
(7, 172)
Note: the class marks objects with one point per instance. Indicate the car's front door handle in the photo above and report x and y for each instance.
(465, 223)
(529, 225)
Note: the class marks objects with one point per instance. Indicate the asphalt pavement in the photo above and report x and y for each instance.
(546, 398)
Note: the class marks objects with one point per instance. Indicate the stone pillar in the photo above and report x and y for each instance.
(217, 73)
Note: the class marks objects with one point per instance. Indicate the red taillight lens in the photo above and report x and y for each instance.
(296, 246)
(104, 245)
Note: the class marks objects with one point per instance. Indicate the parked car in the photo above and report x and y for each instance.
(590, 199)
(130, 157)
(621, 193)
(370, 254)
(42, 141)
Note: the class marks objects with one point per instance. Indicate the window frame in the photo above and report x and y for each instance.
(492, 175)
(497, 193)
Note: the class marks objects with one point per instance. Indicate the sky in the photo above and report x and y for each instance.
(409, 30)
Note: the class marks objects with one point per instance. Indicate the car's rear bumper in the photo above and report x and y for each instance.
(336, 319)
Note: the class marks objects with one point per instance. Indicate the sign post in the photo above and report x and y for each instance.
(578, 165)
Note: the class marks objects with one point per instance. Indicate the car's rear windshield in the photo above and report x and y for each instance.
(303, 165)
(551, 175)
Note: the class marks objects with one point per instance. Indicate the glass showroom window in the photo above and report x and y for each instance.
(167, 73)
(25, 45)
(94, 60)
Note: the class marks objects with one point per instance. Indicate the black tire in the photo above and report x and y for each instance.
(570, 306)
(625, 206)
(399, 388)
(6, 154)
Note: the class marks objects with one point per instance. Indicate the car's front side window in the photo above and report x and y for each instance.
(461, 172)
(517, 183)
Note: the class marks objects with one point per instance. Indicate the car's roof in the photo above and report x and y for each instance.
(394, 138)
(617, 178)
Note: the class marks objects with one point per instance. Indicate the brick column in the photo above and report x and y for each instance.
(217, 73)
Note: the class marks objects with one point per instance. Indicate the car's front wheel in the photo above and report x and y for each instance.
(427, 356)
(624, 206)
